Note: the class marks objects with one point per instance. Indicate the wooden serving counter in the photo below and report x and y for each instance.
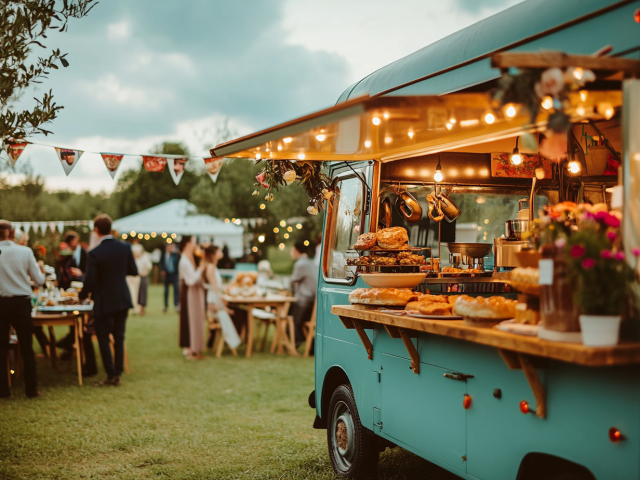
(517, 351)
(625, 353)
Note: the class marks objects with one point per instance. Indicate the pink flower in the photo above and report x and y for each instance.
(552, 81)
(620, 256)
(554, 146)
(611, 221)
(588, 263)
(577, 251)
(261, 178)
(606, 254)
(612, 236)
(561, 242)
(600, 216)
(636, 252)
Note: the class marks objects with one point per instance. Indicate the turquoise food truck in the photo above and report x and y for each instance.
(479, 402)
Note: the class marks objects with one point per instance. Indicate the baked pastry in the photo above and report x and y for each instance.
(359, 261)
(526, 280)
(378, 260)
(491, 308)
(452, 298)
(392, 238)
(451, 270)
(413, 306)
(365, 241)
(408, 258)
(434, 299)
(435, 308)
(383, 296)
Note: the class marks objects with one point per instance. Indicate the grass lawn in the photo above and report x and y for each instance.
(228, 418)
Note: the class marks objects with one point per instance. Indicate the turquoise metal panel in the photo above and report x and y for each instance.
(382, 342)
(424, 411)
(515, 29)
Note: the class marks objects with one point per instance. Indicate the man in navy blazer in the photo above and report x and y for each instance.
(107, 267)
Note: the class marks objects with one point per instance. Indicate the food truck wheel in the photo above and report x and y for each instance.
(352, 448)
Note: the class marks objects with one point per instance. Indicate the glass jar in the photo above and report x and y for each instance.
(557, 309)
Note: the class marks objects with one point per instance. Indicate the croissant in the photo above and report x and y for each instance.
(434, 204)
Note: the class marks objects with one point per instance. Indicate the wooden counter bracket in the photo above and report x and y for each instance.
(408, 344)
(360, 325)
(528, 364)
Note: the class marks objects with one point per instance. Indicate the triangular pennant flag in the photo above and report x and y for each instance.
(14, 150)
(36, 227)
(60, 227)
(68, 158)
(176, 168)
(213, 165)
(112, 162)
(26, 226)
(52, 227)
(43, 227)
(154, 164)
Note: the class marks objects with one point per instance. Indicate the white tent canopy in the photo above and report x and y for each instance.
(182, 218)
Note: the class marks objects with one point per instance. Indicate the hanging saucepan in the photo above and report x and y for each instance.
(449, 209)
(386, 215)
(408, 207)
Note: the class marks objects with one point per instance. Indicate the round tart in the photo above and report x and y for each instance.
(392, 238)
(365, 241)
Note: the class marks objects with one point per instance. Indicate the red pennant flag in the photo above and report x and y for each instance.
(14, 150)
(176, 168)
(112, 162)
(213, 165)
(68, 158)
(154, 164)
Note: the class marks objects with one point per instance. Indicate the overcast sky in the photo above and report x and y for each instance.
(145, 71)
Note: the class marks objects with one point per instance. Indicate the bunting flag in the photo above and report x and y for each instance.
(52, 227)
(14, 150)
(112, 162)
(213, 165)
(68, 158)
(176, 168)
(60, 227)
(154, 164)
(43, 227)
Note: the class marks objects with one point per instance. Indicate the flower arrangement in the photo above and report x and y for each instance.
(536, 88)
(280, 173)
(595, 260)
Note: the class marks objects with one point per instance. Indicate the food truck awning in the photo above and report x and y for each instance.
(387, 128)
(462, 59)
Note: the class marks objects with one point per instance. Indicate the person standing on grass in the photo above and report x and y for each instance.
(17, 265)
(169, 271)
(304, 281)
(144, 265)
(107, 268)
(193, 284)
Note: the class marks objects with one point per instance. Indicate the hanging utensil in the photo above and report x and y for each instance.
(449, 209)
(408, 207)
(435, 211)
(386, 215)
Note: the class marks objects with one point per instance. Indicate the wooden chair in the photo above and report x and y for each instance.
(215, 329)
(284, 335)
(51, 321)
(309, 329)
(267, 319)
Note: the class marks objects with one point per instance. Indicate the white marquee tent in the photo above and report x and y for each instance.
(182, 218)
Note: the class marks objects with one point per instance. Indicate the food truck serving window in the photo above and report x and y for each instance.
(345, 220)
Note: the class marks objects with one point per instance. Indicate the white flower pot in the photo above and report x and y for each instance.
(600, 330)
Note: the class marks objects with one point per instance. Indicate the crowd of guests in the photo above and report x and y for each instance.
(115, 275)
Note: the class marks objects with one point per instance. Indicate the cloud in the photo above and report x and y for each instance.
(119, 30)
(475, 6)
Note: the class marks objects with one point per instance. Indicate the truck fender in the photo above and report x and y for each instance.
(539, 466)
(334, 377)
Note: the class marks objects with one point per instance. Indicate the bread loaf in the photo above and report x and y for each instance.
(392, 238)
(495, 308)
(383, 296)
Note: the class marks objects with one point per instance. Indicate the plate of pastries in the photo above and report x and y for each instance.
(435, 307)
(484, 311)
(393, 238)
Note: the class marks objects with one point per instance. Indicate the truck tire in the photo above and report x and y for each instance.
(353, 449)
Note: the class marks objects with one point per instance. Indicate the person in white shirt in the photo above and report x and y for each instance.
(17, 268)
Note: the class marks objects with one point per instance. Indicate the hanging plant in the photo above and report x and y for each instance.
(280, 173)
(548, 89)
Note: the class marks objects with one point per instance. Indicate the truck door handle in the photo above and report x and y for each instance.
(462, 377)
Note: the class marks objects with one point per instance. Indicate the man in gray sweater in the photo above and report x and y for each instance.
(304, 281)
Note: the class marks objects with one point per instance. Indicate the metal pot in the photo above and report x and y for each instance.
(408, 207)
(514, 229)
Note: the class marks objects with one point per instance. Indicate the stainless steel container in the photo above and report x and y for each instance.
(505, 252)
(471, 254)
(515, 228)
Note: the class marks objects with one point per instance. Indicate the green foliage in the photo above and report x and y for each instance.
(24, 24)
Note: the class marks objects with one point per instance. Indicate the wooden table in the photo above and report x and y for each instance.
(517, 351)
(61, 320)
(279, 302)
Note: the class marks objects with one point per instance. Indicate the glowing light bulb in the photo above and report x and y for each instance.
(580, 111)
(388, 140)
(489, 118)
(452, 121)
(276, 230)
(261, 238)
(540, 173)
(578, 73)
(306, 243)
(258, 156)
(516, 159)
(367, 144)
(547, 102)
(164, 235)
(153, 234)
(583, 95)
(449, 126)
(289, 229)
(287, 140)
(574, 167)
(375, 121)
(411, 134)
(301, 156)
(281, 246)
(511, 111)
(147, 237)
(140, 236)
(262, 206)
(438, 176)
(299, 226)
(386, 116)
(169, 240)
(254, 249)
(279, 148)
(132, 233)
(286, 235)
(173, 235)
(283, 223)
(320, 137)
(124, 236)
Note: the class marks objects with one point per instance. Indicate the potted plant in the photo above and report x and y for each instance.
(602, 276)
